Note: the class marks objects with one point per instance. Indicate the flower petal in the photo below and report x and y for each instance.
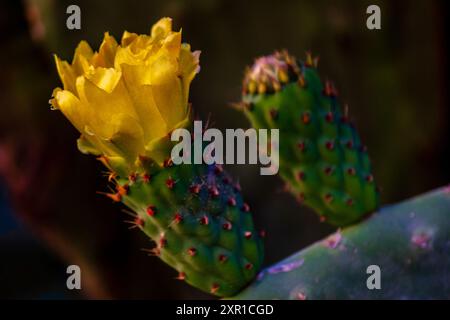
(106, 79)
(70, 106)
(106, 53)
(167, 90)
(162, 28)
(173, 44)
(127, 135)
(127, 38)
(150, 117)
(66, 74)
(102, 107)
(82, 57)
(189, 66)
(126, 56)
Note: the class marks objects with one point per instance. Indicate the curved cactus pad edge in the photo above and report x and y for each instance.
(409, 241)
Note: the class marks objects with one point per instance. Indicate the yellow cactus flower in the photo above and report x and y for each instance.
(126, 97)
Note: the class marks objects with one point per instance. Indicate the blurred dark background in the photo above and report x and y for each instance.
(395, 81)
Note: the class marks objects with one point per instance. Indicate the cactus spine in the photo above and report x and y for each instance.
(321, 156)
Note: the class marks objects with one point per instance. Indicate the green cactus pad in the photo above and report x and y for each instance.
(321, 156)
(198, 221)
(409, 242)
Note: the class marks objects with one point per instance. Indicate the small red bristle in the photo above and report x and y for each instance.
(214, 288)
(301, 146)
(306, 117)
(330, 89)
(351, 171)
(112, 176)
(162, 241)
(192, 251)
(195, 188)
(214, 192)
(132, 177)
(421, 240)
(139, 222)
(247, 234)
(249, 266)
(103, 159)
(223, 258)
(369, 178)
(151, 210)
(262, 233)
(227, 226)
(178, 217)
(328, 197)
(170, 183)
(181, 276)
(116, 197)
(274, 114)
(328, 171)
(146, 178)
(245, 207)
(301, 175)
(204, 220)
(231, 201)
(122, 190)
(329, 145)
(167, 163)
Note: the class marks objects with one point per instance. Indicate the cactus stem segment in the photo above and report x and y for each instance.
(322, 159)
